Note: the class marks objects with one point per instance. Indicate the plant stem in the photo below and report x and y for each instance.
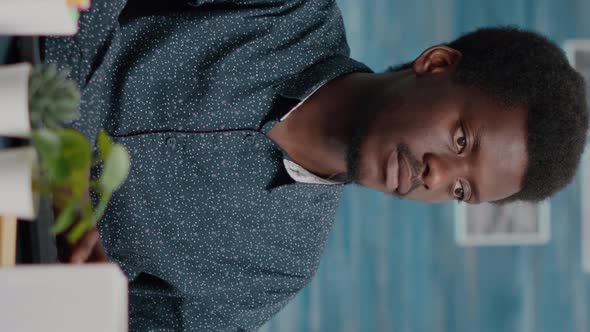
(101, 207)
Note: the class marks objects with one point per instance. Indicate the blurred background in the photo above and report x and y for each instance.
(393, 265)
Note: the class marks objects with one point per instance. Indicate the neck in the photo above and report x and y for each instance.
(316, 135)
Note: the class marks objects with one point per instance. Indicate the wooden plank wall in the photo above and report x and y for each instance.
(392, 265)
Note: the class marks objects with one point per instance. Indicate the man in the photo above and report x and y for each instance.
(245, 118)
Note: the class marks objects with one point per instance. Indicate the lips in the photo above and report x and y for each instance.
(392, 171)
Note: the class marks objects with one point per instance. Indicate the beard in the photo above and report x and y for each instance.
(362, 122)
(353, 156)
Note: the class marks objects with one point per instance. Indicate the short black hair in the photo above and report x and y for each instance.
(524, 68)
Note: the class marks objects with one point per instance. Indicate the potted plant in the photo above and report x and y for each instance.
(65, 155)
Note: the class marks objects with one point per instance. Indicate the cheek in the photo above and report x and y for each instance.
(429, 196)
(429, 123)
(425, 138)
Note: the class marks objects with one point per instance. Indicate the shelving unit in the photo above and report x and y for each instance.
(21, 21)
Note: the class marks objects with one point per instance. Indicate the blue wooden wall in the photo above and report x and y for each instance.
(392, 265)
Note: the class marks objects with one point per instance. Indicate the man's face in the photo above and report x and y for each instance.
(436, 141)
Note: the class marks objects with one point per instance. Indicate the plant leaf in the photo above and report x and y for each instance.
(105, 144)
(48, 144)
(75, 149)
(79, 182)
(53, 98)
(116, 169)
(65, 218)
(79, 230)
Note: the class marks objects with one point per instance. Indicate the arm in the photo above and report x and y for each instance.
(156, 305)
(88, 249)
(166, 312)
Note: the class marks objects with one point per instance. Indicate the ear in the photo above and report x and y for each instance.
(436, 59)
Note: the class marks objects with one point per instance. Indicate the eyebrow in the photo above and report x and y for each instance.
(475, 195)
(477, 141)
(476, 149)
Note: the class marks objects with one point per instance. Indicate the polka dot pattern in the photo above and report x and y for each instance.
(210, 229)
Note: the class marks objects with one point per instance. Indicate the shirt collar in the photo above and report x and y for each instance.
(305, 83)
(300, 88)
(321, 74)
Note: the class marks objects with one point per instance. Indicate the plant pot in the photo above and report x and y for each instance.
(14, 94)
(18, 171)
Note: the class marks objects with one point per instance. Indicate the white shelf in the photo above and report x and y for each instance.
(14, 93)
(63, 298)
(36, 17)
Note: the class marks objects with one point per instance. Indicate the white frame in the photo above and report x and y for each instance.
(585, 175)
(570, 47)
(463, 238)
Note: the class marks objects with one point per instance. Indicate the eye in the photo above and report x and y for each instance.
(458, 191)
(459, 139)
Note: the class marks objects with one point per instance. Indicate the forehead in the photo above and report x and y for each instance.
(500, 165)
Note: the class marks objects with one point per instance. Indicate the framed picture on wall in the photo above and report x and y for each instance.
(509, 224)
(585, 175)
(578, 53)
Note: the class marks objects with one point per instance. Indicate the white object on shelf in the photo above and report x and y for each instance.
(18, 167)
(36, 17)
(63, 298)
(14, 94)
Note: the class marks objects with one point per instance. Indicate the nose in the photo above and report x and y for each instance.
(439, 170)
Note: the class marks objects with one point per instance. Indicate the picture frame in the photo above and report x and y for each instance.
(518, 223)
(585, 196)
(578, 54)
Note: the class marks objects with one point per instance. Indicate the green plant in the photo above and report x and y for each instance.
(53, 98)
(66, 155)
